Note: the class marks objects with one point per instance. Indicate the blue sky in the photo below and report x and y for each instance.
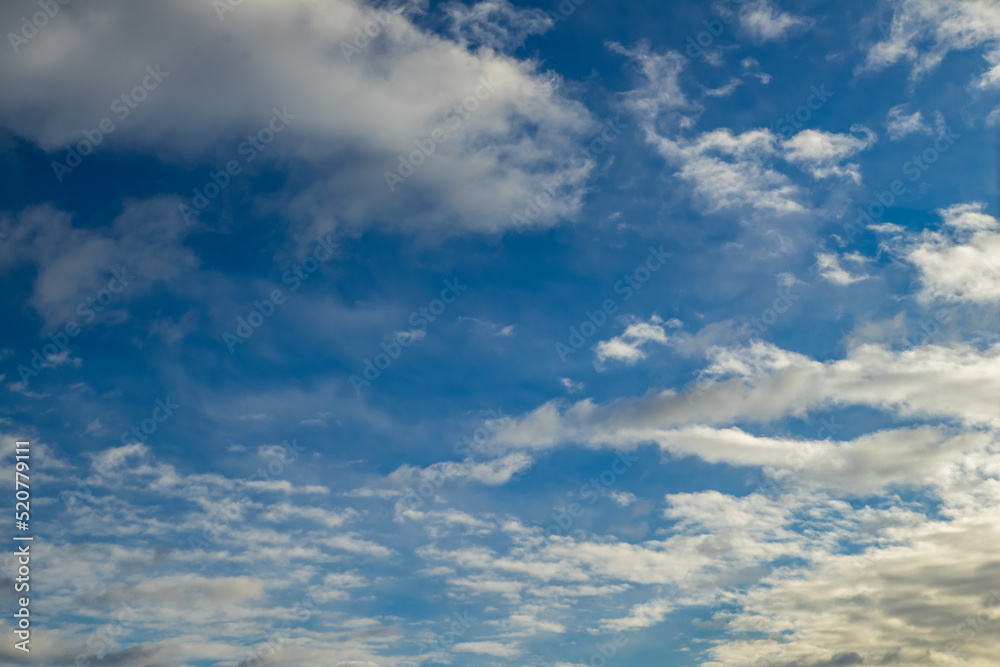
(499, 333)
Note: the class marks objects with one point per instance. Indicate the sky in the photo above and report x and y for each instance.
(496, 333)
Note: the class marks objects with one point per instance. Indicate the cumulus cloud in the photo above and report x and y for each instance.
(926, 597)
(628, 346)
(726, 171)
(821, 153)
(225, 78)
(962, 261)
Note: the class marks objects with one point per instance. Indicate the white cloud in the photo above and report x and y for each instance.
(923, 32)
(820, 153)
(730, 170)
(763, 22)
(488, 648)
(354, 544)
(75, 263)
(961, 262)
(726, 170)
(571, 386)
(751, 67)
(393, 92)
(661, 91)
(623, 498)
(628, 346)
(495, 23)
(831, 271)
(993, 119)
(493, 472)
(760, 383)
(283, 511)
(900, 124)
(724, 91)
(927, 597)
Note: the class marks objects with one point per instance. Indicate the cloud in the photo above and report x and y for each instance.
(760, 383)
(496, 24)
(831, 271)
(627, 346)
(960, 262)
(623, 498)
(900, 124)
(571, 386)
(924, 32)
(763, 22)
(488, 648)
(928, 597)
(751, 67)
(993, 119)
(726, 90)
(726, 170)
(185, 589)
(494, 472)
(75, 263)
(661, 91)
(283, 511)
(371, 105)
(820, 153)
(353, 544)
